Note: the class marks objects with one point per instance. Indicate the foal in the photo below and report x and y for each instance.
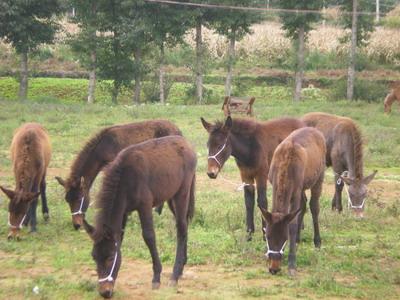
(298, 164)
(30, 155)
(252, 144)
(99, 151)
(393, 96)
(141, 177)
(344, 152)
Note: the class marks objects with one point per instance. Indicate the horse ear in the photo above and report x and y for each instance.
(228, 123)
(30, 196)
(266, 215)
(206, 125)
(368, 179)
(88, 228)
(10, 194)
(60, 181)
(347, 180)
(290, 216)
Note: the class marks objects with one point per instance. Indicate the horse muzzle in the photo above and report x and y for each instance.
(13, 234)
(213, 172)
(274, 266)
(77, 221)
(359, 213)
(106, 289)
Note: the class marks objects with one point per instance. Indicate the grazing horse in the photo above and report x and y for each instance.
(252, 144)
(141, 177)
(99, 151)
(393, 96)
(344, 152)
(30, 155)
(298, 164)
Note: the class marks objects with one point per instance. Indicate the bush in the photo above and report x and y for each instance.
(151, 89)
(364, 90)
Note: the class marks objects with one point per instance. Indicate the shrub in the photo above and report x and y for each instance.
(151, 89)
(364, 90)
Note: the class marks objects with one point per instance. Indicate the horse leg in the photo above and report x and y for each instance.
(124, 220)
(314, 207)
(337, 198)
(45, 208)
(249, 199)
(32, 214)
(262, 202)
(301, 216)
(149, 236)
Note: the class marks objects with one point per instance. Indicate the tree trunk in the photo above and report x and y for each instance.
(138, 84)
(231, 58)
(161, 75)
(92, 78)
(23, 82)
(115, 92)
(300, 65)
(351, 74)
(199, 56)
(377, 12)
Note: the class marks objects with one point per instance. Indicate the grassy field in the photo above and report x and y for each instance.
(358, 258)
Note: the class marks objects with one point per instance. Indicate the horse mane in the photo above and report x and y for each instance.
(84, 154)
(239, 126)
(283, 169)
(22, 157)
(107, 197)
(357, 150)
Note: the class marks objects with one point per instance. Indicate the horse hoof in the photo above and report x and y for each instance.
(317, 244)
(292, 272)
(173, 283)
(155, 285)
(46, 217)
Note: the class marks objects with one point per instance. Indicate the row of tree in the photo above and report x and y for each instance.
(118, 38)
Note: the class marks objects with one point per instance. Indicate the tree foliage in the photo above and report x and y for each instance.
(27, 24)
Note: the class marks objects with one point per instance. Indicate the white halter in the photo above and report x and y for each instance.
(214, 157)
(273, 251)
(18, 226)
(109, 278)
(79, 212)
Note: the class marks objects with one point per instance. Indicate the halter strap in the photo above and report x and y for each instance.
(273, 251)
(18, 226)
(214, 157)
(109, 278)
(349, 201)
(79, 212)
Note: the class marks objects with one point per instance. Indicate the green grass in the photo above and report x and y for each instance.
(358, 258)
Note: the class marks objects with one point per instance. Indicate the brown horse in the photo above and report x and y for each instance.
(252, 144)
(298, 164)
(30, 155)
(141, 177)
(393, 96)
(99, 151)
(345, 155)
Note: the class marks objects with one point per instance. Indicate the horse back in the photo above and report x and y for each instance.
(30, 150)
(302, 156)
(273, 132)
(158, 167)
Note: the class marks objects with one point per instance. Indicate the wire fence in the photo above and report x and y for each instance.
(257, 9)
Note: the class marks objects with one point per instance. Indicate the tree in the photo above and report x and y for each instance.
(234, 25)
(297, 27)
(114, 51)
(85, 43)
(26, 25)
(361, 26)
(167, 25)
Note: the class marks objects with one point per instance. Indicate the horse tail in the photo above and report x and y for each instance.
(190, 212)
